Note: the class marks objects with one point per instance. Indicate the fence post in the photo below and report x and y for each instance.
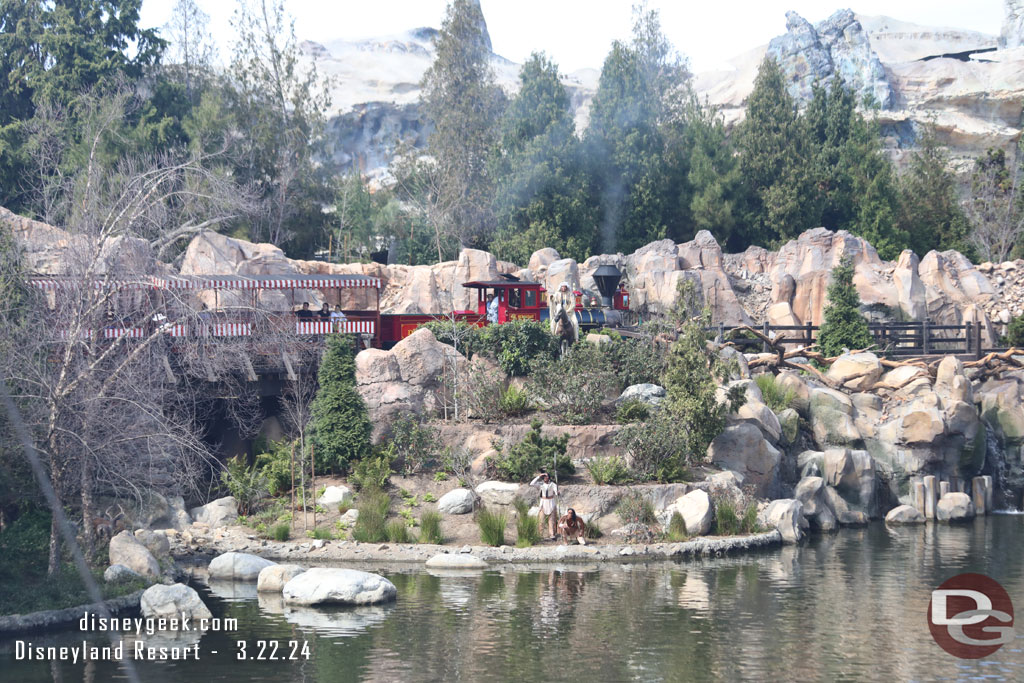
(924, 337)
(721, 332)
(764, 330)
(977, 340)
(810, 334)
(967, 334)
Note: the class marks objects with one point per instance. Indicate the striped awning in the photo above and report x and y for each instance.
(266, 282)
(64, 283)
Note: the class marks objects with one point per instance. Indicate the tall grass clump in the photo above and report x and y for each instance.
(373, 506)
(776, 396)
(728, 522)
(527, 529)
(635, 508)
(492, 526)
(397, 532)
(430, 528)
(281, 532)
(676, 528)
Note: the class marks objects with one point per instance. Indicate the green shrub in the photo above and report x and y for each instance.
(440, 476)
(411, 445)
(591, 530)
(373, 506)
(397, 532)
(635, 508)
(776, 396)
(321, 533)
(482, 393)
(492, 526)
(280, 532)
(608, 470)
(634, 361)
(275, 464)
(469, 337)
(676, 528)
(430, 528)
(246, 484)
(729, 523)
(527, 529)
(658, 449)
(843, 325)
(429, 498)
(574, 386)
(371, 473)
(522, 461)
(1015, 332)
(514, 401)
(632, 411)
(341, 427)
(517, 344)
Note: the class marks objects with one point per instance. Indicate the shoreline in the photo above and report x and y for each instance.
(60, 619)
(415, 553)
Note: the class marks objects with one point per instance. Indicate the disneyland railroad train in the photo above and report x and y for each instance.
(525, 300)
(138, 307)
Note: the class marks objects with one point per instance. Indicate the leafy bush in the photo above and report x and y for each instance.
(634, 361)
(635, 508)
(591, 530)
(843, 326)
(729, 523)
(468, 336)
(246, 484)
(658, 449)
(430, 528)
(275, 464)
(676, 528)
(411, 444)
(341, 427)
(608, 470)
(527, 529)
(574, 386)
(776, 396)
(371, 472)
(517, 344)
(280, 532)
(535, 452)
(514, 401)
(482, 392)
(492, 526)
(1015, 332)
(373, 506)
(397, 532)
(632, 411)
(321, 533)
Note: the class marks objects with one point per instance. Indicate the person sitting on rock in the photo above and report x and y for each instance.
(572, 528)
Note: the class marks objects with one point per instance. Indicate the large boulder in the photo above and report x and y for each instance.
(904, 514)
(761, 415)
(697, 511)
(815, 506)
(856, 371)
(273, 577)
(954, 507)
(177, 601)
(156, 543)
(921, 423)
(832, 421)
(852, 474)
(742, 448)
(497, 492)
(238, 566)
(217, 513)
(118, 573)
(330, 586)
(457, 502)
(333, 496)
(126, 550)
(785, 515)
(651, 394)
(455, 561)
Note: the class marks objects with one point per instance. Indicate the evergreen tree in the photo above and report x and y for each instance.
(929, 211)
(544, 196)
(775, 163)
(341, 428)
(463, 103)
(844, 326)
(714, 178)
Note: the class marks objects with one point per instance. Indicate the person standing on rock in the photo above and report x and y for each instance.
(548, 503)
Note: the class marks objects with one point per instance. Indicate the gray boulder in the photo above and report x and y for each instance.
(238, 566)
(742, 448)
(832, 418)
(216, 513)
(456, 502)
(904, 514)
(127, 551)
(651, 394)
(696, 510)
(954, 507)
(497, 492)
(334, 496)
(455, 561)
(329, 586)
(786, 515)
(155, 542)
(273, 578)
(176, 601)
(118, 573)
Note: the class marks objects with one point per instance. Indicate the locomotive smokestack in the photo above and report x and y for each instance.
(607, 278)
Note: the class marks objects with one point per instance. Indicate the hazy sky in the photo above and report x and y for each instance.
(577, 33)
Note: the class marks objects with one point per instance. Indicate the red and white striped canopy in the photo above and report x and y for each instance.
(266, 282)
(60, 283)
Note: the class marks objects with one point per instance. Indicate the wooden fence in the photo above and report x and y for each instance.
(897, 339)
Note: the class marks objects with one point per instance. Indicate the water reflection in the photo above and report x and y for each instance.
(845, 607)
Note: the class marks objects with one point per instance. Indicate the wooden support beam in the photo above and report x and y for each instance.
(167, 369)
(250, 374)
(288, 366)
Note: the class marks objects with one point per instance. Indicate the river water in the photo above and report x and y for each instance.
(849, 607)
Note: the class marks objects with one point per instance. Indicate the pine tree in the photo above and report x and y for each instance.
(464, 104)
(775, 162)
(714, 178)
(844, 326)
(341, 427)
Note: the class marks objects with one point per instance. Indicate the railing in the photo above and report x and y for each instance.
(897, 339)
